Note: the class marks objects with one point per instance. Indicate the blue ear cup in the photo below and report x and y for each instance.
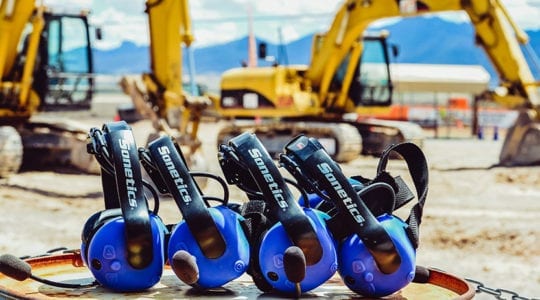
(365, 266)
(357, 267)
(215, 272)
(276, 241)
(213, 236)
(106, 259)
(360, 272)
(124, 245)
(356, 264)
(286, 226)
(92, 225)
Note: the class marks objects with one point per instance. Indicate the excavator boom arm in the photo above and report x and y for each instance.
(496, 33)
(161, 96)
(17, 89)
(168, 32)
(13, 18)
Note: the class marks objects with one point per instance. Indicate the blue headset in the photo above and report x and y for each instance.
(124, 245)
(292, 251)
(213, 236)
(376, 249)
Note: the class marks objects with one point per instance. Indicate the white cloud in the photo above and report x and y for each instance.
(525, 13)
(228, 31)
(71, 6)
(119, 26)
(456, 17)
(217, 21)
(268, 18)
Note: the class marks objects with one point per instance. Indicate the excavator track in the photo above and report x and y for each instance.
(11, 151)
(378, 134)
(341, 140)
(49, 143)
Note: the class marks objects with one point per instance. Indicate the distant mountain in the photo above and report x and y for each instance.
(126, 59)
(432, 40)
(426, 40)
(218, 58)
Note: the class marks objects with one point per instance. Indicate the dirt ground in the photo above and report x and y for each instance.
(480, 222)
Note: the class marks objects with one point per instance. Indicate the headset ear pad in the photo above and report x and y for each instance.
(276, 241)
(215, 272)
(104, 252)
(92, 225)
(255, 226)
(359, 271)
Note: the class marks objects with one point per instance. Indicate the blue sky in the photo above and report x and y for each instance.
(217, 21)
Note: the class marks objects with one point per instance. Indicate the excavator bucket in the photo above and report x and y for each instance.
(522, 144)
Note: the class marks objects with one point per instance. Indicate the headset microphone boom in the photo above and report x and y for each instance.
(20, 270)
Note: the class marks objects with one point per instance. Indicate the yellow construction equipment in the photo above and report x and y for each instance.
(159, 95)
(317, 99)
(321, 99)
(38, 72)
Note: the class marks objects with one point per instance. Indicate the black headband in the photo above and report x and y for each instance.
(129, 192)
(180, 184)
(312, 159)
(276, 194)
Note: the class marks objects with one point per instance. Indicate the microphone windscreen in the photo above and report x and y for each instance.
(294, 263)
(15, 267)
(421, 275)
(185, 267)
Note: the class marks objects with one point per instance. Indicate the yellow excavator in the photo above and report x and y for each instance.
(160, 95)
(38, 72)
(317, 99)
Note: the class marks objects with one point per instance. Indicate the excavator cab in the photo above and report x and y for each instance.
(45, 64)
(61, 64)
(64, 77)
(371, 84)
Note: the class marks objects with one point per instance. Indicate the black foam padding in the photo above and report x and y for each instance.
(185, 267)
(421, 275)
(294, 263)
(15, 267)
